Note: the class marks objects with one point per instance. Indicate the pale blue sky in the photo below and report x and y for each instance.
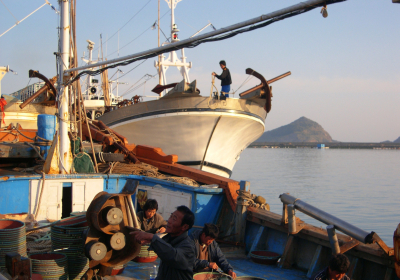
(345, 68)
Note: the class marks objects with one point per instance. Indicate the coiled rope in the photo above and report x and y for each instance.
(216, 102)
(247, 199)
(143, 169)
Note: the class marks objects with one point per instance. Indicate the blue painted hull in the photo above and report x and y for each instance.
(205, 202)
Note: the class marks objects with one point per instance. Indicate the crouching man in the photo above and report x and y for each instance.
(176, 249)
(207, 252)
(338, 266)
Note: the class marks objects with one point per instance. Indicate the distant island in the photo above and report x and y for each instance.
(307, 133)
(301, 130)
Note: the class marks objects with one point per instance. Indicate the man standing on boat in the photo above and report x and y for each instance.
(207, 252)
(149, 220)
(225, 78)
(338, 266)
(176, 249)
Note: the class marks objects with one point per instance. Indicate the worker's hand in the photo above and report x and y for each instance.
(142, 237)
(161, 230)
(213, 73)
(232, 274)
(213, 265)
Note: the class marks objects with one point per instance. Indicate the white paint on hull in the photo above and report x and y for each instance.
(186, 134)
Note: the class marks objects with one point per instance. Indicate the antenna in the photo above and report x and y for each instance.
(163, 64)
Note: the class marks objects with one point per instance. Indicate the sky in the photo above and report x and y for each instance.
(345, 68)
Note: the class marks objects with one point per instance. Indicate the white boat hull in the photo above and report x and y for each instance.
(210, 139)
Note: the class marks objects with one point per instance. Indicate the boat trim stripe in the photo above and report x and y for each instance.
(187, 110)
(206, 163)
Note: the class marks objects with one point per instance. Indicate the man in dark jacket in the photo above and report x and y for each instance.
(338, 266)
(176, 249)
(149, 220)
(207, 252)
(225, 78)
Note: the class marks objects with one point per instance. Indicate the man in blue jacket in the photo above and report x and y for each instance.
(207, 252)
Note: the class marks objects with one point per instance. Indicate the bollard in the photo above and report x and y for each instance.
(240, 215)
(46, 130)
(333, 239)
(291, 218)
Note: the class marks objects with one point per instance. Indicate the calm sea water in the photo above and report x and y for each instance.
(361, 187)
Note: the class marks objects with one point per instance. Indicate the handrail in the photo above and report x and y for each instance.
(329, 219)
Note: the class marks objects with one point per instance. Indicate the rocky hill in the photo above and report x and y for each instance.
(301, 130)
(397, 140)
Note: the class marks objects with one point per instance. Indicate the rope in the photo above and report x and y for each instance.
(35, 149)
(143, 169)
(216, 102)
(247, 199)
(38, 242)
(43, 142)
(245, 82)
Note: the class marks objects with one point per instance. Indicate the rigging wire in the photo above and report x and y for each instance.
(186, 23)
(9, 10)
(139, 36)
(19, 21)
(197, 42)
(147, 76)
(127, 22)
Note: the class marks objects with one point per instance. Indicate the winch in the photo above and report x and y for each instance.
(111, 217)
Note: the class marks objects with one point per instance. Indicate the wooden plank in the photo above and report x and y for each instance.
(288, 253)
(314, 262)
(348, 246)
(384, 247)
(389, 274)
(265, 215)
(256, 240)
(354, 265)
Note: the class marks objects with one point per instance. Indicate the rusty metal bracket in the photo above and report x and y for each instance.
(49, 85)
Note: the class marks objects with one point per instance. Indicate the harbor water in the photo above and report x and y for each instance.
(361, 187)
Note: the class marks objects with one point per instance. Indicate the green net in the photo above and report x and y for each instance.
(82, 161)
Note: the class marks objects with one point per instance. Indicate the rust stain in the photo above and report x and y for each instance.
(5, 178)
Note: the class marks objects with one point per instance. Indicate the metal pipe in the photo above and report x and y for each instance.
(239, 25)
(262, 85)
(291, 218)
(333, 239)
(328, 219)
(130, 221)
(132, 209)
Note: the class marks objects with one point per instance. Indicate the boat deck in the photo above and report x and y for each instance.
(242, 265)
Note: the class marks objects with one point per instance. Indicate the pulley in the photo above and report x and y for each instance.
(114, 216)
(117, 241)
(96, 250)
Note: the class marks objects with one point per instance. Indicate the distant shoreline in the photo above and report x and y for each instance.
(328, 145)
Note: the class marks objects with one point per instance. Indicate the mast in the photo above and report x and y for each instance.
(63, 61)
(173, 60)
(89, 61)
(159, 56)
